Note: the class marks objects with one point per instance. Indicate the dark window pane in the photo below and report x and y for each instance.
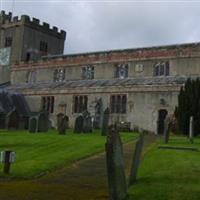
(80, 103)
(167, 68)
(123, 104)
(52, 104)
(162, 69)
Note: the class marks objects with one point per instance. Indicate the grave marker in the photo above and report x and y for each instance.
(166, 129)
(191, 133)
(136, 159)
(115, 165)
(104, 129)
(87, 122)
(43, 122)
(7, 157)
(63, 125)
(78, 127)
(32, 125)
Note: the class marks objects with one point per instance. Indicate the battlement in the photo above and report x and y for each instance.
(8, 20)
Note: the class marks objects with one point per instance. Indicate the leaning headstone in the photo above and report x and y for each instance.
(104, 129)
(43, 122)
(166, 129)
(78, 127)
(191, 133)
(87, 122)
(115, 165)
(136, 159)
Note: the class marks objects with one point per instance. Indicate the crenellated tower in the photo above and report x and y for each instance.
(24, 39)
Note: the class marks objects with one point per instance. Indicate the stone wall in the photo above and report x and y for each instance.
(183, 60)
(142, 106)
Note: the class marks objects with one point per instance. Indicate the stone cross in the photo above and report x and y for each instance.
(191, 133)
(166, 129)
(104, 129)
(115, 165)
(136, 159)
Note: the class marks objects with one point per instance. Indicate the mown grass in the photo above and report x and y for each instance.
(169, 174)
(42, 152)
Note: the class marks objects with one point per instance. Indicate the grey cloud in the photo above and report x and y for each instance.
(94, 26)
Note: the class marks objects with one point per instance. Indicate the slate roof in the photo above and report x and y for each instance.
(167, 47)
(168, 80)
(9, 101)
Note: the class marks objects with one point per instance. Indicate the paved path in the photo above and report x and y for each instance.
(84, 180)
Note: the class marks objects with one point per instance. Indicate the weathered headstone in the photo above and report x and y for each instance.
(59, 119)
(87, 122)
(32, 125)
(115, 166)
(166, 129)
(136, 159)
(78, 127)
(63, 125)
(13, 119)
(98, 113)
(191, 133)
(106, 115)
(43, 122)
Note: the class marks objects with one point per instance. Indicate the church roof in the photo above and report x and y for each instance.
(10, 101)
(167, 80)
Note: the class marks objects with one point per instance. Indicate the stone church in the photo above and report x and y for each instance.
(138, 85)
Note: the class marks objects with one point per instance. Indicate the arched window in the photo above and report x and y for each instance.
(121, 71)
(48, 103)
(88, 72)
(118, 103)
(59, 75)
(161, 69)
(80, 103)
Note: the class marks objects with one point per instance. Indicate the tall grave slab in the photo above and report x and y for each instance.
(87, 122)
(78, 127)
(166, 129)
(136, 159)
(106, 115)
(115, 166)
(191, 133)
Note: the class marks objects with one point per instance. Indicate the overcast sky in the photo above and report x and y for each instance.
(104, 25)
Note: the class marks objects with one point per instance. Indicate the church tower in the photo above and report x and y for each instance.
(25, 39)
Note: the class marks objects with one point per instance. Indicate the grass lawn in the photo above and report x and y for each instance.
(42, 152)
(169, 174)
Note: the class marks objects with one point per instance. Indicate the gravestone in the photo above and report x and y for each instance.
(106, 115)
(13, 120)
(191, 133)
(136, 159)
(63, 125)
(78, 127)
(32, 125)
(59, 119)
(87, 122)
(98, 113)
(43, 122)
(166, 129)
(115, 165)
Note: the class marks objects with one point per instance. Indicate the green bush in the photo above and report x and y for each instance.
(189, 105)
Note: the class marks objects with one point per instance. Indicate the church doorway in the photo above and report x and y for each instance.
(161, 117)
